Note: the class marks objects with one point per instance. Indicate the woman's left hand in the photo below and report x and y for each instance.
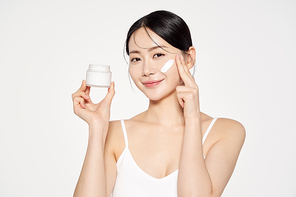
(188, 94)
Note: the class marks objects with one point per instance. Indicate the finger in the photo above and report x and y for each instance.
(184, 97)
(180, 89)
(111, 91)
(82, 94)
(86, 97)
(83, 91)
(186, 79)
(186, 69)
(191, 81)
(184, 65)
(181, 68)
(79, 102)
(83, 85)
(87, 91)
(188, 92)
(181, 100)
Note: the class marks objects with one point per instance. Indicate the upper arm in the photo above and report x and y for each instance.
(222, 156)
(109, 158)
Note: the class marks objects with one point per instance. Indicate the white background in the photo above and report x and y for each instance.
(245, 71)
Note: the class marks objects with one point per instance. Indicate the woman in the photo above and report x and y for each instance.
(171, 149)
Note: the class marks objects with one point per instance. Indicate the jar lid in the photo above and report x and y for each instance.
(99, 67)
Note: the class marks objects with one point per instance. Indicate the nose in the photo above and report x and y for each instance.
(148, 69)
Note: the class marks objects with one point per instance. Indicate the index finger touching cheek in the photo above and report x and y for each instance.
(181, 68)
(179, 65)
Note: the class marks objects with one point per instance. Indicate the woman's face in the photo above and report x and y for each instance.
(146, 60)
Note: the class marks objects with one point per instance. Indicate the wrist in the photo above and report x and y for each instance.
(98, 128)
(195, 118)
(98, 124)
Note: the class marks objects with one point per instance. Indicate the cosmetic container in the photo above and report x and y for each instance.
(98, 76)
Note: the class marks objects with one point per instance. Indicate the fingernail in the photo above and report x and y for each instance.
(178, 57)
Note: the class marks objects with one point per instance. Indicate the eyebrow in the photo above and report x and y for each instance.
(149, 49)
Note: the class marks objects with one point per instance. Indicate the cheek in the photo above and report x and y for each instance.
(134, 71)
(174, 72)
(173, 76)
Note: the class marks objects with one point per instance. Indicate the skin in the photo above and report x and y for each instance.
(168, 134)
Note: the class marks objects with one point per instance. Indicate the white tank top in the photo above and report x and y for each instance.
(132, 181)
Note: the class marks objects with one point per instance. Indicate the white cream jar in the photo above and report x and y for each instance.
(98, 76)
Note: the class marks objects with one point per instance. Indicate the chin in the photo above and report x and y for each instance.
(155, 99)
(157, 96)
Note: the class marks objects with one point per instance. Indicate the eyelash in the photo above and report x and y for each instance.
(158, 55)
(154, 56)
(135, 59)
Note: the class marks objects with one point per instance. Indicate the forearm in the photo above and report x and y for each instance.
(193, 179)
(92, 178)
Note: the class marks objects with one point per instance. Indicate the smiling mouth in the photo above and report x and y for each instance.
(152, 83)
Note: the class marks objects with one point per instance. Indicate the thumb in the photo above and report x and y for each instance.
(83, 85)
(111, 91)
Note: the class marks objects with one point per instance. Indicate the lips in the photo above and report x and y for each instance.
(152, 83)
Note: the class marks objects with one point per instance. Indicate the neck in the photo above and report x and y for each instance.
(165, 111)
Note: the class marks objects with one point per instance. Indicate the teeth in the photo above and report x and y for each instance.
(167, 66)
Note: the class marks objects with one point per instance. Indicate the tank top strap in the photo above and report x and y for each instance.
(124, 133)
(208, 130)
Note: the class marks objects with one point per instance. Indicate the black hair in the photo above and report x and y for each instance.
(167, 25)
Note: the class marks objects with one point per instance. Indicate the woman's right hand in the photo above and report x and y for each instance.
(92, 113)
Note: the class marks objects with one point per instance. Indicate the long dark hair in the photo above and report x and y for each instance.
(167, 25)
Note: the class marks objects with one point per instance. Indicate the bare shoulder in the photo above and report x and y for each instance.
(114, 129)
(114, 125)
(222, 151)
(229, 129)
(226, 138)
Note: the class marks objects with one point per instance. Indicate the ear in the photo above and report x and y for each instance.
(191, 57)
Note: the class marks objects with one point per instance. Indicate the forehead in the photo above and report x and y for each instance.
(142, 39)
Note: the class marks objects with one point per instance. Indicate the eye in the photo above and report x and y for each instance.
(158, 55)
(135, 59)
